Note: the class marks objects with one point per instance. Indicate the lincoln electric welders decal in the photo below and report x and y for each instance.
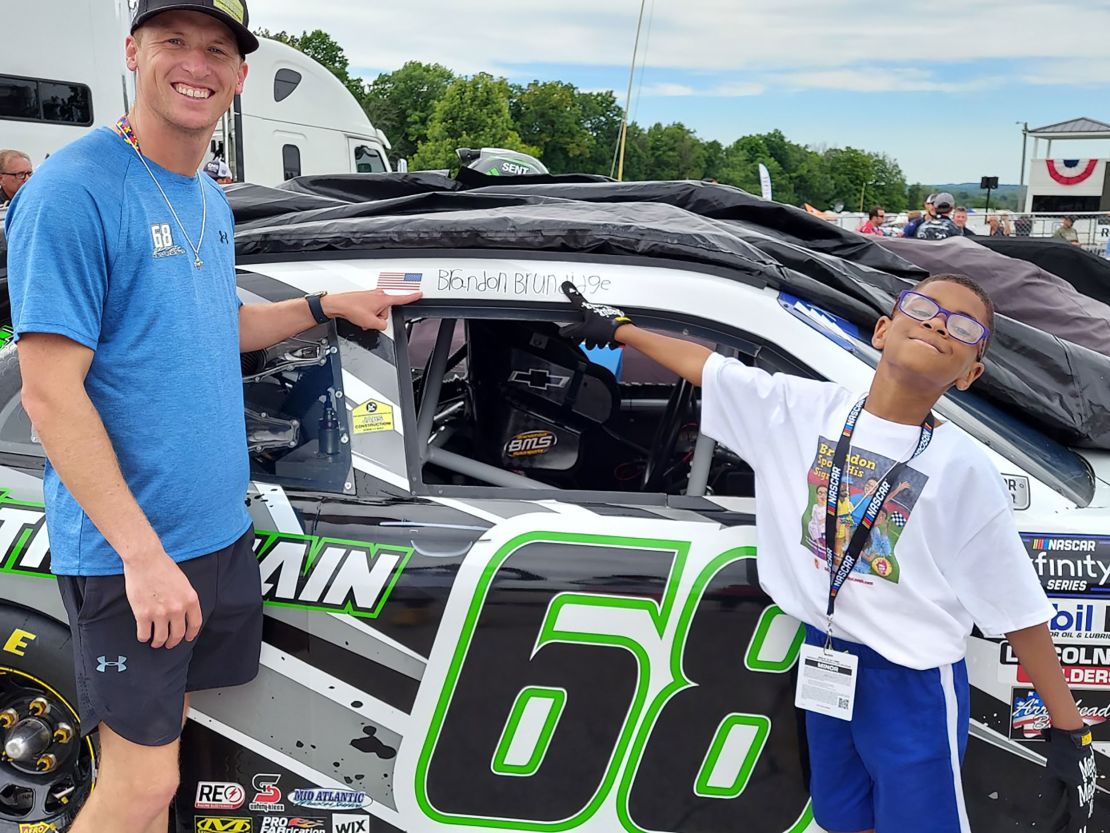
(305, 571)
(1070, 565)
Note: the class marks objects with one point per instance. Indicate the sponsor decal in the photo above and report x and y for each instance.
(18, 642)
(219, 795)
(1018, 487)
(39, 827)
(539, 379)
(350, 823)
(233, 7)
(267, 797)
(1075, 675)
(223, 824)
(329, 799)
(276, 824)
(530, 444)
(1087, 656)
(1029, 716)
(1070, 565)
(6, 335)
(371, 416)
(1081, 621)
(303, 571)
(409, 281)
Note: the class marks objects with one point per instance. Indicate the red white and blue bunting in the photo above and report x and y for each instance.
(1071, 171)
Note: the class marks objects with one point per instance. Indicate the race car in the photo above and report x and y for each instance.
(509, 585)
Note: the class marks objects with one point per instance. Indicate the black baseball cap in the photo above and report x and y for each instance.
(232, 13)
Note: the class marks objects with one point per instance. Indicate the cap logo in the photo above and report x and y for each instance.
(233, 8)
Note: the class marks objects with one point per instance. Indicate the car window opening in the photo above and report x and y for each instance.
(513, 404)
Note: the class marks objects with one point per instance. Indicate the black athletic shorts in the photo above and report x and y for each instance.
(139, 691)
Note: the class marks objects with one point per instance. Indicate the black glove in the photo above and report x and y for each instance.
(599, 321)
(1071, 780)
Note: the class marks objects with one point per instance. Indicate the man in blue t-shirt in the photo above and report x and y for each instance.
(121, 274)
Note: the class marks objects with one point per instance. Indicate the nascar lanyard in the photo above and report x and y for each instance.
(862, 532)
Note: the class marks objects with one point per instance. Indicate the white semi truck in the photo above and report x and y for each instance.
(65, 75)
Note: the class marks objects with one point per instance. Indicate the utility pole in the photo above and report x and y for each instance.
(1024, 142)
(628, 98)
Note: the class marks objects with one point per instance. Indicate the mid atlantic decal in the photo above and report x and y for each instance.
(304, 571)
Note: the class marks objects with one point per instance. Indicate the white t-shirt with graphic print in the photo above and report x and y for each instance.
(944, 553)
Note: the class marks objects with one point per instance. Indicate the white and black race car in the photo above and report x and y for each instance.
(509, 585)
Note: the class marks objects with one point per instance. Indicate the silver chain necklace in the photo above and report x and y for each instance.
(124, 129)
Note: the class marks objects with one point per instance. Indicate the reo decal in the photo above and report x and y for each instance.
(531, 443)
(223, 824)
(219, 795)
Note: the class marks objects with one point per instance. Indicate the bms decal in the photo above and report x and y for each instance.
(1029, 715)
(607, 707)
(303, 571)
(1070, 565)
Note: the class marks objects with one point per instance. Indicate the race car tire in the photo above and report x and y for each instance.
(36, 652)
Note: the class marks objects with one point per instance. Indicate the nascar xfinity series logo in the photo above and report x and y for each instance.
(1070, 565)
(302, 571)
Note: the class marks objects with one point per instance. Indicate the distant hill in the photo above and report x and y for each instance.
(972, 196)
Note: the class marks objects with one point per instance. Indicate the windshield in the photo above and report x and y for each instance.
(1052, 463)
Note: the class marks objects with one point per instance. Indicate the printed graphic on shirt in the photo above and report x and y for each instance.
(163, 241)
(864, 471)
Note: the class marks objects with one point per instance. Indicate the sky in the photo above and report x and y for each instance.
(941, 87)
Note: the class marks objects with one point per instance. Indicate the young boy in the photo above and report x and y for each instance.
(899, 634)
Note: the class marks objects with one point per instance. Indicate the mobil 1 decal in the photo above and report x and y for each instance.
(1071, 565)
(631, 677)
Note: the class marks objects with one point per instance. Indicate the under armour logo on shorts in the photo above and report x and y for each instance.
(103, 665)
(223, 237)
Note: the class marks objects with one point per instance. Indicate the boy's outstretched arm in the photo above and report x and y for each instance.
(604, 325)
(1070, 753)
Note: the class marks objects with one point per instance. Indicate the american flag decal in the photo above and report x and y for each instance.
(400, 280)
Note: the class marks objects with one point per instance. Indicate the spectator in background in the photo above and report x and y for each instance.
(218, 169)
(875, 218)
(939, 226)
(915, 222)
(15, 169)
(1067, 231)
(1023, 226)
(999, 226)
(959, 217)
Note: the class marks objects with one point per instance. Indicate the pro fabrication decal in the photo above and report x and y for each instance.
(1070, 565)
(304, 571)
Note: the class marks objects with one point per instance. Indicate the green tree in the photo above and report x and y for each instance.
(401, 103)
(473, 112)
(675, 152)
(548, 115)
(601, 117)
(324, 49)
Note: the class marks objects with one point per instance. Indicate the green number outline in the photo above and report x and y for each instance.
(679, 682)
(548, 633)
(759, 636)
(558, 699)
(762, 726)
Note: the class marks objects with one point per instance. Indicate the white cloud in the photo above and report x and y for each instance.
(730, 90)
(881, 80)
(804, 41)
(667, 89)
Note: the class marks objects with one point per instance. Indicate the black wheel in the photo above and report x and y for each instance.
(46, 768)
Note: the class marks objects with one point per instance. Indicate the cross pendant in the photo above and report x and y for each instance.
(198, 263)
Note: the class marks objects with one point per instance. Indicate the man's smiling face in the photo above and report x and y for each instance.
(189, 68)
(925, 349)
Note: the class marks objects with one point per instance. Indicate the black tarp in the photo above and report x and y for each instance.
(1088, 273)
(1061, 387)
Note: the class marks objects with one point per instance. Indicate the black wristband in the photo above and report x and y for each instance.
(317, 308)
